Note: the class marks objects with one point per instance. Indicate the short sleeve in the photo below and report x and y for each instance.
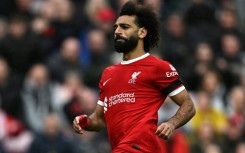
(167, 79)
(101, 90)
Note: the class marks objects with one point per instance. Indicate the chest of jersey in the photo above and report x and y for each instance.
(129, 86)
(125, 79)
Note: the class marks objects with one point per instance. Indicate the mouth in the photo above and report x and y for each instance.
(120, 40)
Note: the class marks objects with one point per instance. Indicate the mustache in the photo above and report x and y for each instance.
(118, 37)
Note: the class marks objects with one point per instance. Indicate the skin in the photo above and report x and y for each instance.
(125, 26)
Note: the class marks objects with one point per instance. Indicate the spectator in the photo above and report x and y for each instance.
(204, 139)
(236, 104)
(10, 87)
(89, 140)
(67, 59)
(176, 46)
(93, 9)
(236, 129)
(157, 5)
(44, 31)
(73, 97)
(99, 57)
(234, 134)
(202, 64)
(207, 113)
(229, 61)
(212, 84)
(51, 139)
(240, 147)
(213, 148)
(37, 95)
(19, 48)
(47, 10)
(200, 20)
(23, 7)
(65, 26)
(228, 24)
(16, 138)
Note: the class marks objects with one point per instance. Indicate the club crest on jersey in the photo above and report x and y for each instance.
(134, 77)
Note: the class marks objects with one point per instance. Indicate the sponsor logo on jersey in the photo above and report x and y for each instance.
(117, 99)
(134, 77)
(173, 73)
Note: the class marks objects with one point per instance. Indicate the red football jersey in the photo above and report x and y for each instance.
(131, 93)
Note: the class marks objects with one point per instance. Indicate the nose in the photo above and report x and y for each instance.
(118, 30)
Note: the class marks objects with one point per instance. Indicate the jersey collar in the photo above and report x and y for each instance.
(135, 59)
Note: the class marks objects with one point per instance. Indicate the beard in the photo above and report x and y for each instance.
(125, 45)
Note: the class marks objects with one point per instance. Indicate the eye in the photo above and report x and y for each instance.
(125, 26)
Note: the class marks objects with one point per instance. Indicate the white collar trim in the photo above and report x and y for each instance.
(135, 59)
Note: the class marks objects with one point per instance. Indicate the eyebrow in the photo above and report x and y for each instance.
(121, 24)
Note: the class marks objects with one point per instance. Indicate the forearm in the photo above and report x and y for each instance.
(96, 123)
(184, 114)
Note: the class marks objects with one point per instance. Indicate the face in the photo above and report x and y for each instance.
(126, 34)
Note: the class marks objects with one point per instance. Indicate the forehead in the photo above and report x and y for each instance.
(125, 19)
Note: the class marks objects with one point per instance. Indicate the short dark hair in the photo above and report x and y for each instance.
(147, 18)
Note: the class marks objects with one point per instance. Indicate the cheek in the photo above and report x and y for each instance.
(125, 35)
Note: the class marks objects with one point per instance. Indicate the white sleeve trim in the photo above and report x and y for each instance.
(101, 103)
(176, 91)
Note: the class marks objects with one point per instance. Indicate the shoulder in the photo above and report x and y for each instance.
(160, 64)
(156, 60)
(110, 68)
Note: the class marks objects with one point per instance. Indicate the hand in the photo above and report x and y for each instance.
(165, 130)
(80, 122)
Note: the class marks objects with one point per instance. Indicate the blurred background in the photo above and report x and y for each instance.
(52, 53)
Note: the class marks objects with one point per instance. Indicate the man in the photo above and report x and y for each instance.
(132, 92)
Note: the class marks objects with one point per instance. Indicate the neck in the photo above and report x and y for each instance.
(137, 52)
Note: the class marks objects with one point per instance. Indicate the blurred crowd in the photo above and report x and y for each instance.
(52, 54)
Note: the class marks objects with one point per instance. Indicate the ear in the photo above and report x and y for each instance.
(142, 32)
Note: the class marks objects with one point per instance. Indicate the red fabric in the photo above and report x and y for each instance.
(106, 14)
(49, 32)
(13, 126)
(83, 121)
(180, 143)
(165, 146)
(132, 94)
(236, 119)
